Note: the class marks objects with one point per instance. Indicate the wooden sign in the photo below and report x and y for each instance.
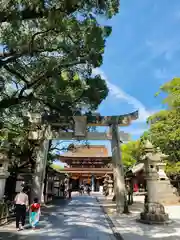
(80, 126)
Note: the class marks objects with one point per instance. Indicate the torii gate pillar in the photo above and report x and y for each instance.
(119, 185)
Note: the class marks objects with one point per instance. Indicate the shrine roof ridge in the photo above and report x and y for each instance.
(85, 157)
(84, 146)
(87, 151)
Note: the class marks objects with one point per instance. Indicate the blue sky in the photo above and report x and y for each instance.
(141, 54)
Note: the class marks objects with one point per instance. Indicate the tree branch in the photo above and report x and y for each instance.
(17, 74)
(28, 13)
(8, 102)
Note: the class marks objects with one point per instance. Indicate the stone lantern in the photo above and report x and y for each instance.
(4, 174)
(154, 211)
(110, 186)
(161, 165)
(167, 193)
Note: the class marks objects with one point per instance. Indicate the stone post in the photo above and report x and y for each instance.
(154, 212)
(120, 192)
(4, 174)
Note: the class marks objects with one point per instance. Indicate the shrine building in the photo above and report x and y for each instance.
(87, 164)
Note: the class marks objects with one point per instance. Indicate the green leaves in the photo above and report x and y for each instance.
(107, 31)
(57, 167)
(52, 48)
(49, 51)
(164, 129)
(172, 168)
(131, 153)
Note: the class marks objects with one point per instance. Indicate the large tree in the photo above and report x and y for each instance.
(49, 50)
(164, 129)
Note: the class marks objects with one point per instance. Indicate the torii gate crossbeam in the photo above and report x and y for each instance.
(80, 132)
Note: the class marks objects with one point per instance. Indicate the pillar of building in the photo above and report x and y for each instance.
(105, 185)
(66, 183)
(92, 183)
(154, 211)
(119, 184)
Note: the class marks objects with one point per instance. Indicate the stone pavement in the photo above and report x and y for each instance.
(130, 229)
(81, 218)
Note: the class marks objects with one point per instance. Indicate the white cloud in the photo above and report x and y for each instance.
(163, 46)
(137, 131)
(118, 93)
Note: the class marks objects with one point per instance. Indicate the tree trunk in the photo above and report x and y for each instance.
(39, 171)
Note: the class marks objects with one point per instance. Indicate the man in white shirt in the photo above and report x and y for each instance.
(21, 201)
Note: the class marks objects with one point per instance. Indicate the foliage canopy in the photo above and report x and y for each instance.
(49, 49)
(164, 129)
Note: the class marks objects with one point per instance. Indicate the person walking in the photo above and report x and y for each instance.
(21, 203)
(34, 213)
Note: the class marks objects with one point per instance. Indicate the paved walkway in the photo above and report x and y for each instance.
(130, 229)
(82, 218)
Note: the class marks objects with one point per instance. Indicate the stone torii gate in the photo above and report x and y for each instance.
(43, 129)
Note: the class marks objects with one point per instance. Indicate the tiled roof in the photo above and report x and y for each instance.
(87, 151)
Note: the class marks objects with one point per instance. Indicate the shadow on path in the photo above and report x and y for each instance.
(79, 219)
(128, 227)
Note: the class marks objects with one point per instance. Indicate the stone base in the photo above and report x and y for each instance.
(154, 213)
(153, 218)
(154, 223)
